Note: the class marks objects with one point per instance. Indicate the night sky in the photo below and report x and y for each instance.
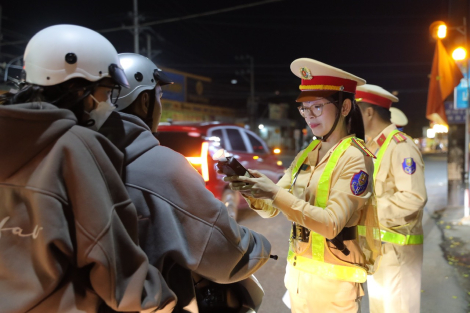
(385, 42)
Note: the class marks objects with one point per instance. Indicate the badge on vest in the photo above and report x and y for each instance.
(359, 183)
(409, 166)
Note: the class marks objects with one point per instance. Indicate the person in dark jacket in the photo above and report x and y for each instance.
(183, 228)
(68, 230)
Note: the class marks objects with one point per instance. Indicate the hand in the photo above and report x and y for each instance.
(259, 186)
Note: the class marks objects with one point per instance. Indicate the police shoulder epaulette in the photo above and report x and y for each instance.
(399, 137)
(358, 143)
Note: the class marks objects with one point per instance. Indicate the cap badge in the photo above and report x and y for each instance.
(305, 72)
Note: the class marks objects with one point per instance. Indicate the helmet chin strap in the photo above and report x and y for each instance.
(338, 115)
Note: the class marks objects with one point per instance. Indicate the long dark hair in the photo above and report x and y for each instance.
(353, 121)
(64, 95)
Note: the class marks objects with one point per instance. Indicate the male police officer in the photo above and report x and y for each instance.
(183, 228)
(398, 118)
(401, 196)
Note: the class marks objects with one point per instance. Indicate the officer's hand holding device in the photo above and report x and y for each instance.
(229, 166)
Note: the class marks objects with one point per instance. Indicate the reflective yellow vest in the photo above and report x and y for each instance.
(317, 265)
(386, 234)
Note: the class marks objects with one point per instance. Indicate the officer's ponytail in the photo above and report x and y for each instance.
(354, 121)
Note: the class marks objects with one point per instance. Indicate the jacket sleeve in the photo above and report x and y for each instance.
(105, 223)
(204, 238)
(403, 206)
(341, 204)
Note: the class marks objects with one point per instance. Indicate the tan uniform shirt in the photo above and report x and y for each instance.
(342, 210)
(400, 187)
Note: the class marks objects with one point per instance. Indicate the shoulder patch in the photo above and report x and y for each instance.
(399, 137)
(358, 143)
(409, 166)
(359, 183)
(381, 140)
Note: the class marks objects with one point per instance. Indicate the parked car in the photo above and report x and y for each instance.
(199, 141)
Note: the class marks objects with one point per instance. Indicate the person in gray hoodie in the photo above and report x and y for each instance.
(183, 228)
(68, 230)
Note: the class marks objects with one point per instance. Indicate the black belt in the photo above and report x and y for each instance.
(347, 233)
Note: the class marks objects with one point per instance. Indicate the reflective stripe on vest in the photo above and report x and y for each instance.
(328, 270)
(395, 238)
(317, 265)
(390, 236)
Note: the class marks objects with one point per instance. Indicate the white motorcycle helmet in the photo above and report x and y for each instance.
(62, 52)
(142, 74)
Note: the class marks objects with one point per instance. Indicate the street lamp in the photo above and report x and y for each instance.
(438, 30)
(442, 31)
(459, 54)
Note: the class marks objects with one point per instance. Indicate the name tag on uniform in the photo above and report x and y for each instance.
(359, 183)
(409, 166)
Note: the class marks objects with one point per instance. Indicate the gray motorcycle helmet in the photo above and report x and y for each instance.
(142, 74)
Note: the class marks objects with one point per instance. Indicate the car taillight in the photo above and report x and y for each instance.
(200, 163)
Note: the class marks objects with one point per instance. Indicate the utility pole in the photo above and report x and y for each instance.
(1, 36)
(136, 27)
(466, 196)
(149, 46)
(252, 103)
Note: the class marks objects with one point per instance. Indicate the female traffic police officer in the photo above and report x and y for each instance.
(326, 192)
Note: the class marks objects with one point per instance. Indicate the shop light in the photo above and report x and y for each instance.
(440, 129)
(430, 133)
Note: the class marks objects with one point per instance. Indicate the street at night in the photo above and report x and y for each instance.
(145, 147)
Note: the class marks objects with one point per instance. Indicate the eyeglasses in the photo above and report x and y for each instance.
(315, 109)
(115, 91)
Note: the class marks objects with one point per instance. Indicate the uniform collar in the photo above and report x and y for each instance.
(380, 139)
(313, 155)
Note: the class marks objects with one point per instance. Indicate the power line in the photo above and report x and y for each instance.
(169, 20)
(191, 16)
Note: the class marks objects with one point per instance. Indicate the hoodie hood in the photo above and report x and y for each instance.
(26, 129)
(129, 134)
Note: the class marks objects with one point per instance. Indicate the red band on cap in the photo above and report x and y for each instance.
(328, 83)
(374, 99)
